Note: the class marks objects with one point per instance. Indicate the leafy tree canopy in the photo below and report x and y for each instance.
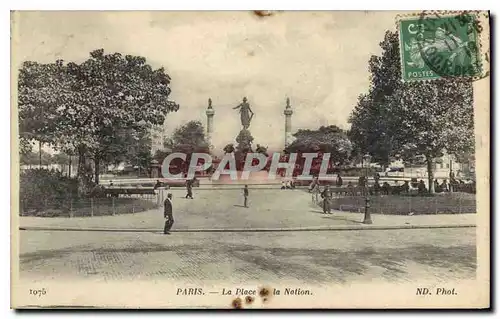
(409, 119)
(92, 108)
(190, 138)
(327, 139)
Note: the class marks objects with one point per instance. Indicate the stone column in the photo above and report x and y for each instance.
(210, 122)
(288, 122)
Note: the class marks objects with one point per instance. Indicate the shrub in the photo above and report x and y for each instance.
(448, 203)
(48, 193)
(86, 207)
(39, 186)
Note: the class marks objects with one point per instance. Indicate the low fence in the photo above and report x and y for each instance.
(445, 203)
(88, 207)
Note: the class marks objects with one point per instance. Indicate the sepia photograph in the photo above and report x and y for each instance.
(250, 159)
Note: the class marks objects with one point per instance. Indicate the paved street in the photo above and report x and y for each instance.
(312, 257)
(303, 256)
(223, 209)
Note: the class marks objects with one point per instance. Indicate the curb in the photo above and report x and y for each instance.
(247, 230)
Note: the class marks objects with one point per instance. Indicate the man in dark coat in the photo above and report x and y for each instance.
(245, 195)
(326, 195)
(168, 214)
(339, 181)
(158, 184)
(189, 187)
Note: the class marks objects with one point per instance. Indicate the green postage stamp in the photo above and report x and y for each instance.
(434, 45)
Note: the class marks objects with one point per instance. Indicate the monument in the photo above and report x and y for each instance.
(288, 123)
(210, 123)
(245, 111)
(244, 138)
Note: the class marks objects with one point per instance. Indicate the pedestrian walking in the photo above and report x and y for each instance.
(157, 185)
(386, 188)
(245, 195)
(317, 192)
(189, 188)
(314, 194)
(168, 214)
(326, 195)
(339, 180)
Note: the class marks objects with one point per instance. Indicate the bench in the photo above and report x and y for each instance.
(115, 192)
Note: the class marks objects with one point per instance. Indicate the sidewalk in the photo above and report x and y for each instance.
(138, 223)
(216, 211)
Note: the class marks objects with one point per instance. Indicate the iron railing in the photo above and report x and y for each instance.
(88, 207)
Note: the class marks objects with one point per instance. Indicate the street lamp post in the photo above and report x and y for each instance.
(368, 217)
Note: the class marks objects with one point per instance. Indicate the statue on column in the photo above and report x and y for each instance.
(246, 113)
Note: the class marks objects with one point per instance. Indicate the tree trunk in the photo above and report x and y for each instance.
(79, 167)
(84, 173)
(69, 166)
(430, 174)
(96, 170)
(40, 154)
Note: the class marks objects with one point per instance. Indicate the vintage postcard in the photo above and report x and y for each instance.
(250, 159)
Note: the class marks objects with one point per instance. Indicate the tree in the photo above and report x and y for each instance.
(326, 139)
(30, 158)
(92, 108)
(39, 158)
(60, 158)
(372, 128)
(437, 117)
(135, 147)
(190, 138)
(415, 118)
(160, 155)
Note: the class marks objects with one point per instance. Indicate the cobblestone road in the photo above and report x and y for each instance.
(312, 257)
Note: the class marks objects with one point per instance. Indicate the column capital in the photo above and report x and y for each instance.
(210, 111)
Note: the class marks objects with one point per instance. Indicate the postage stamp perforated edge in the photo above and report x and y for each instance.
(483, 39)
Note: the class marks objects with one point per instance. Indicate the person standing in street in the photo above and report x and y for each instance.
(339, 180)
(326, 195)
(315, 193)
(189, 188)
(157, 185)
(245, 195)
(168, 214)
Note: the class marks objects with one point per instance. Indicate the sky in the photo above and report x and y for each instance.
(317, 59)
